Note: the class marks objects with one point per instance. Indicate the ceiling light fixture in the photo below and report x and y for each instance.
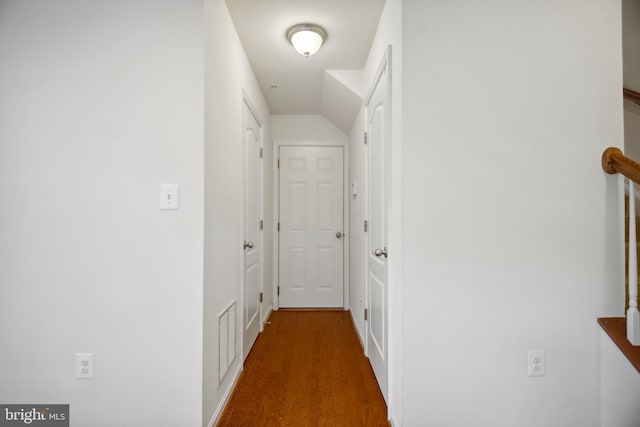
(306, 39)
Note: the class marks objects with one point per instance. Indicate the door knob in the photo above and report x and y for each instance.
(339, 235)
(249, 245)
(380, 252)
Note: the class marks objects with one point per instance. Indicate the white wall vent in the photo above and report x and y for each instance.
(227, 340)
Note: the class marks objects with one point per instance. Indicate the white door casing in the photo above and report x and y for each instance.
(378, 128)
(311, 221)
(252, 269)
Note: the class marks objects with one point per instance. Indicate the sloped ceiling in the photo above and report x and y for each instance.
(341, 100)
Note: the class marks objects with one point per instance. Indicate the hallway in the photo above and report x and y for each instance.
(123, 166)
(306, 369)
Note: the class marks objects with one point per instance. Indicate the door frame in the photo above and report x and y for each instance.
(345, 213)
(246, 100)
(385, 64)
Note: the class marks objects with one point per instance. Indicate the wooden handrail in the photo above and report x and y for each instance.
(613, 161)
(631, 95)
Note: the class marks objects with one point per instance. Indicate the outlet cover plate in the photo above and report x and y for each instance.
(85, 366)
(536, 365)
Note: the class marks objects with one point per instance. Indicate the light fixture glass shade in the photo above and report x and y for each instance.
(306, 39)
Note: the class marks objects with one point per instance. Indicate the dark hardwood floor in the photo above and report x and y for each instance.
(307, 369)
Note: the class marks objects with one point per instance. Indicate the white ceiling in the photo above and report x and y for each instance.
(300, 81)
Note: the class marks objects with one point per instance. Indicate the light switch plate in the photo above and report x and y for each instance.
(169, 197)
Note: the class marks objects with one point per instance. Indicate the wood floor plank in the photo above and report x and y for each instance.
(307, 369)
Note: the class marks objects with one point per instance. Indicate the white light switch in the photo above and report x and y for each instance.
(169, 197)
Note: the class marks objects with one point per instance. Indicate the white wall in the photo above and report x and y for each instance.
(304, 127)
(227, 73)
(632, 130)
(357, 216)
(631, 60)
(101, 102)
(387, 33)
(508, 107)
(620, 387)
(631, 43)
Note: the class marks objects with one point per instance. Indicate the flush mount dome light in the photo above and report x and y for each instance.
(306, 38)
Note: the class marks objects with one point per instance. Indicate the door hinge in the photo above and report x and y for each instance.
(366, 225)
(261, 225)
(278, 227)
(365, 138)
(365, 314)
(260, 296)
(278, 163)
(278, 290)
(261, 153)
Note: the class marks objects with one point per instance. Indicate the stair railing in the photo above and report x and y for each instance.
(631, 95)
(614, 161)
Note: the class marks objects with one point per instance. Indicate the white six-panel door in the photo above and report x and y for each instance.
(378, 180)
(252, 241)
(311, 227)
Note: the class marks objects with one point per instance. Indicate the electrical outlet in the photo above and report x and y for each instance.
(536, 363)
(84, 366)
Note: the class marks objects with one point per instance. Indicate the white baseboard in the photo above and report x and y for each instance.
(355, 325)
(225, 397)
(266, 316)
(392, 420)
